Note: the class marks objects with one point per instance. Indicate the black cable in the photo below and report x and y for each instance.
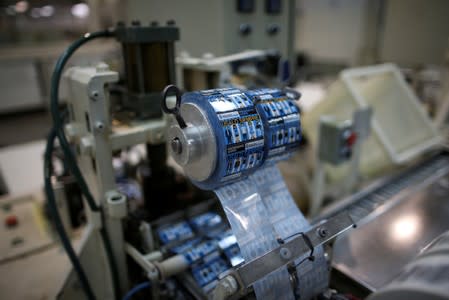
(136, 289)
(57, 219)
(70, 159)
(57, 120)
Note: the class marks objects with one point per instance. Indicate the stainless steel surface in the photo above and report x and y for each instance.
(376, 252)
(426, 277)
(196, 150)
(290, 251)
(372, 198)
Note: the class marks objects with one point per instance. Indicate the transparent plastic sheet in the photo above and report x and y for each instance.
(255, 234)
(260, 209)
(288, 220)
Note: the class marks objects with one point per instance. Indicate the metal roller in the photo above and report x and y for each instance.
(224, 134)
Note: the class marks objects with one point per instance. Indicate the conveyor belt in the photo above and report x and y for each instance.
(364, 203)
(397, 219)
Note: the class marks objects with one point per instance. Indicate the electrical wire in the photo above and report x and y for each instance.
(70, 159)
(57, 120)
(137, 288)
(57, 219)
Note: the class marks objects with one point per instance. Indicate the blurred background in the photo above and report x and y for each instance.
(328, 36)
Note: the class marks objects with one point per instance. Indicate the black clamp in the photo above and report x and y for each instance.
(308, 242)
(175, 110)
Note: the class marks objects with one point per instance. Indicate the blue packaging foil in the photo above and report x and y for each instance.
(281, 120)
(250, 127)
(176, 232)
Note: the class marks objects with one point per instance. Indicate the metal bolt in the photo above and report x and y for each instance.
(135, 23)
(323, 232)
(285, 253)
(176, 146)
(94, 95)
(153, 273)
(154, 23)
(99, 126)
(273, 29)
(245, 29)
(102, 67)
(171, 22)
(229, 285)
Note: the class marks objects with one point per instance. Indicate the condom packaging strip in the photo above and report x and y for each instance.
(255, 234)
(288, 220)
(281, 120)
(260, 210)
(251, 127)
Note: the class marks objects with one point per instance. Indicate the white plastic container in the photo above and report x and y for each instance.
(401, 129)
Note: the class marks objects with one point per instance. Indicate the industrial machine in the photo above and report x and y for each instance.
(175, 242)
(245, 38)
(339, 142)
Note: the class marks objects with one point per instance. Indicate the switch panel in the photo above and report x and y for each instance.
(336, 140)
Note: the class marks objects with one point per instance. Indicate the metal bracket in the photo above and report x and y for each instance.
(254, 270)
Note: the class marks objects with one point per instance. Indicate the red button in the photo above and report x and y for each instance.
(350, 140)
(11, 221)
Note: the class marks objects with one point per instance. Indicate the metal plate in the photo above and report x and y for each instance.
(200, 148)
(375, 253)
(261, 266)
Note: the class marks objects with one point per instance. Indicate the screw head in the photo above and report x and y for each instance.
(245, 29)
(285, 253)
(323, 232)
(273, 29)
(153, 273)
(99, 126)
(176, 146)
(94, 95)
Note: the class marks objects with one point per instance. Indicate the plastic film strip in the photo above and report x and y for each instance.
(287, 220)
(260, 209)
(255, 234)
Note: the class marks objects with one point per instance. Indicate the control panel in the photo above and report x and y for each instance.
(336, 140)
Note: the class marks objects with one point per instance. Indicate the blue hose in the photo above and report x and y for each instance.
(137, 288)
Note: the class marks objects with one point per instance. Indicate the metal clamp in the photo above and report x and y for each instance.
(254, 270)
